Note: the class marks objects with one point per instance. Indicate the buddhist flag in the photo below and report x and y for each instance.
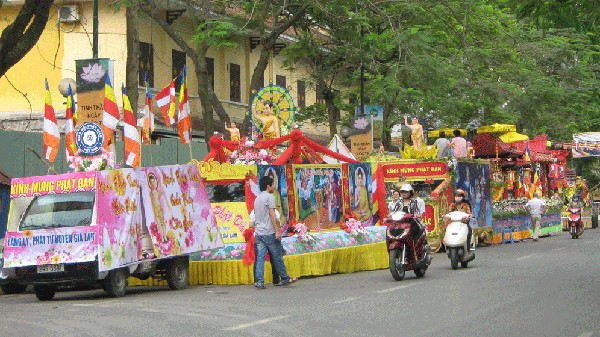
(147, 122)
(51, 135)
(70, 124)
(130, 134)
(110, 115)
(184, 122)
(527, 156)
(165, 100)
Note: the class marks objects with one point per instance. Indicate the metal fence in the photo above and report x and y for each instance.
(18, 160)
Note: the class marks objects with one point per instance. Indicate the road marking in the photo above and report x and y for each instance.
(262, 321)
(586, 334)
(82, 304)
(526, 256)
(559, 249)
(396, 288)
(349, 299)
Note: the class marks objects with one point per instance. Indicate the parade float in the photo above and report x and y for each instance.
(520, 167)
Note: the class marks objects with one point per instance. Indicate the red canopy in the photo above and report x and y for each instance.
(488, 145)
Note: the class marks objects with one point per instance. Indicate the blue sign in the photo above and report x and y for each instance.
(374, 110)
(89, 138)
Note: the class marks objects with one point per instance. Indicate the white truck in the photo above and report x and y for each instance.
(98, 228)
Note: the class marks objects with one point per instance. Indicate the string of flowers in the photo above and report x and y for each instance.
(355, 228)
(102, 161)
(303, 235)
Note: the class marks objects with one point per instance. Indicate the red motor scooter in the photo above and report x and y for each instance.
(575, 222)
(407, 245)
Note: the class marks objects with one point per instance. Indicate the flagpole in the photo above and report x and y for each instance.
(190, 144)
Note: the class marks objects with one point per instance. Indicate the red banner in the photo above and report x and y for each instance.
(429, 218)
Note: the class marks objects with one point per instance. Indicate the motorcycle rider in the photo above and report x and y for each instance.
(462, 204)
(409, 203)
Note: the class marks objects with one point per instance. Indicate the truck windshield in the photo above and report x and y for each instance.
(59, 210)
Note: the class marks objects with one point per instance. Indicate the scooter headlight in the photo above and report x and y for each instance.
(397, 233)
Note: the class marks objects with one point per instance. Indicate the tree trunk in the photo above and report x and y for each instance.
(133, 56)
(19, 37)
(208, 99)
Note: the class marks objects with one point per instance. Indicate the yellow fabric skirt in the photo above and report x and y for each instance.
(342, 260)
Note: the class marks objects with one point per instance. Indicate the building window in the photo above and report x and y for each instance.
(301, 94)
(178, 62)
(210, 68)
(234, 83)
(280, 81)
(146, 70)
(319, 93)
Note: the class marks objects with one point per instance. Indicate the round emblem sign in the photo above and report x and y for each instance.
(89, 138)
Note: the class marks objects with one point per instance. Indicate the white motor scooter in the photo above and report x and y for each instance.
(455, 239)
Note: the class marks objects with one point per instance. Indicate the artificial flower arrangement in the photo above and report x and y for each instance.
(514, 207)
(248, 154)
(355, 228)
(99, 162)
(303, 235)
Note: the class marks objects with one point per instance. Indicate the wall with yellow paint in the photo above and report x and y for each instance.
(27, 76)
(67, 42)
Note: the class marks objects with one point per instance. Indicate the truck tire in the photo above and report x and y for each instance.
(115, 284)
(13, 288)
(44, 292)
(178, 273)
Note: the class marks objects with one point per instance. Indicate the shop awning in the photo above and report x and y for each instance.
(499, 128)
(511, 137)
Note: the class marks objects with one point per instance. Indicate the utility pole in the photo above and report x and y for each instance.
(95, 31)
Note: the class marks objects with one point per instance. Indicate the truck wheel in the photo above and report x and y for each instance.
(13, 288)
(178, 273)
(44, 292)
(115, 284)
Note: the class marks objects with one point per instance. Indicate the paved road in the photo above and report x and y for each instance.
(545, 288)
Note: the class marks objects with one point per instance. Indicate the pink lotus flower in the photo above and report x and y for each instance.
(234, 253)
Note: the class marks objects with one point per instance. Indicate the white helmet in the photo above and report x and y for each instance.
(406, 188)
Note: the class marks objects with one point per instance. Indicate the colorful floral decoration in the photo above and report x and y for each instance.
(514, 207)
(102, 161)
(355, 228)
(247, 154)
(303, 235)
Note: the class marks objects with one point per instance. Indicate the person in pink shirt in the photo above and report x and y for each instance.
(459, 145)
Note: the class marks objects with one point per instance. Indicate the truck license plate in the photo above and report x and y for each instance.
(51, 268)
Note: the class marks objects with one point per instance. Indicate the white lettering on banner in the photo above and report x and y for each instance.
(38, 240)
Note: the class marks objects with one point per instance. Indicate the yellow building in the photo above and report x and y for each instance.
(67, 39)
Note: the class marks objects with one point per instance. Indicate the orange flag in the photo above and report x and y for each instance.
(70, 124)
(110, 115)
(51, 135)
(130, 134)
(184, 123)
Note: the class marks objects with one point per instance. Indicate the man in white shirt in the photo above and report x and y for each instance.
(536, 208)
(442, 145)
